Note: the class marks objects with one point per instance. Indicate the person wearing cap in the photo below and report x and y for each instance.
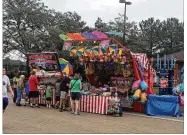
(5, 87)
(20, 87)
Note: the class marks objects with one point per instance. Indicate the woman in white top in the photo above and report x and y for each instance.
(6, 85)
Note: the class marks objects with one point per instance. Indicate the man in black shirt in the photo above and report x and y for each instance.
(64, 88)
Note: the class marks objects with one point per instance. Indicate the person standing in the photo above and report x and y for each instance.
(75, 87)
(33, 90)
(64, 87)
(48, 95)
(80, 77)
(26, 93)
(57, 89)
(5, 87)
(15, 81)
(20, 87)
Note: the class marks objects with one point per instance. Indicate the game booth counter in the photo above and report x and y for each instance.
(48, 68)
(111, 70)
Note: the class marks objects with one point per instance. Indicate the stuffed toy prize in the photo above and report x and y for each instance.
(136, 94)
(136, 85)
(143, 86)
(143, 97)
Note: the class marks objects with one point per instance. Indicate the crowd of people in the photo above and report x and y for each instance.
(64, 87)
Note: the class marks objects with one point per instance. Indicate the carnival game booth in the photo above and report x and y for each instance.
(170, 99)
(48, 68)
(110, 69)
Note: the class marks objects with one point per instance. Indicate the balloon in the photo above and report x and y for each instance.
(136, 94)
(143, 86)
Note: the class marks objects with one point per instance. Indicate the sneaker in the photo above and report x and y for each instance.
(60, 110)
(77, 113)
(37, 106)
(72, 112)
(18, 105)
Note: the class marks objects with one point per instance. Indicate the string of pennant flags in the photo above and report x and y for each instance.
(95, 51)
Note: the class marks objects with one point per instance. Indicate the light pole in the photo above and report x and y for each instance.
(126, 3)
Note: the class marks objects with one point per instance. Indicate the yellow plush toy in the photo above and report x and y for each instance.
(143, 97)
(140, 92)
(136, 94)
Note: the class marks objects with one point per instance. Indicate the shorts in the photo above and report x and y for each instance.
(75, 95)
(48, 98)
(33, 94)
(5, 103)
(57, 98)
(63, 95)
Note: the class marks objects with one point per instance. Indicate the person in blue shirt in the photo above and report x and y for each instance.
(26, 93)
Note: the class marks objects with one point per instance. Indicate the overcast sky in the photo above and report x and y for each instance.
(109, 9)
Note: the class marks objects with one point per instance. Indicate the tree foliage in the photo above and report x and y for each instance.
(149, 36)
(29, 26)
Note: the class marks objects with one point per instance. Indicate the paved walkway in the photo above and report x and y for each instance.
(26, 120)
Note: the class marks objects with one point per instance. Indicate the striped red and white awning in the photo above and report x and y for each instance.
(144, 60)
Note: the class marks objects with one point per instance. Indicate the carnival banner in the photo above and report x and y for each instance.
(44, 61)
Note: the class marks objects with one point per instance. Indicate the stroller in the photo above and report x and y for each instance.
(115, 108)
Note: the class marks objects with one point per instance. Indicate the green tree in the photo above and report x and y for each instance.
(69, 22)
(118, 25)
(100, 25)
(29, 26)
(150, 34)
(172, 36)
(24, 25)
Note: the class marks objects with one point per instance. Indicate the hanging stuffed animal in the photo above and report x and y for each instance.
(105, 58)
(143, 86)
(178, 90)
(126, 72)
(136, 85)
(139, 88)
(101, 58)
(137, 94)
(143, 97)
